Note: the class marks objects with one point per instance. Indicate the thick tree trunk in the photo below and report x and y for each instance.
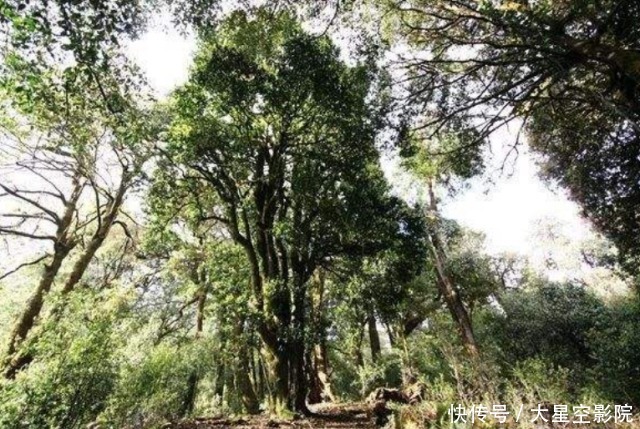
(374, 338)
(282, 328)
(315, 385)
(447, 288)
(276, 307)
(300, 381)
(278, 356)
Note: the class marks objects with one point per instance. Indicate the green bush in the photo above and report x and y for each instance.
(386, 372)
(596, 344)
(67, 385)
(157, 388)
(550, 322)
(615, 342)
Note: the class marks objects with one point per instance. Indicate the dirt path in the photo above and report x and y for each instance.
(329, 416)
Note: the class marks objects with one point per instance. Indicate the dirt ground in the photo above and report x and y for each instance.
(347, 416)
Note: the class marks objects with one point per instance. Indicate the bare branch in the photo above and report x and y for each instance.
(23, 265)
(9, 231)
(17, 194)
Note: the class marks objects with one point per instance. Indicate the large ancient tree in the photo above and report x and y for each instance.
(273, 139)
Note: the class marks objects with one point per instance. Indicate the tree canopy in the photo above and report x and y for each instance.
(564, 73)
(241, 246)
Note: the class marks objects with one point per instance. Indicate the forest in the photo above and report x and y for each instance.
(274, 240)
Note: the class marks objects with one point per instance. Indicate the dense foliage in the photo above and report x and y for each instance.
(237, 248)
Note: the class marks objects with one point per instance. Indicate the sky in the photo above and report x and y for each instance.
(505, 206)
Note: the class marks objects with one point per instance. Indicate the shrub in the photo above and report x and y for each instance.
(68, 384)
(157, 388)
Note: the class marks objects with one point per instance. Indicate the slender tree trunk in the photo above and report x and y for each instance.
(454, 304)
(190, 396)
(408, 373)
(320, 385)
(15, 360)
(374, 338)
(34, 306)
(262, 383)
(64, 243)
(255, 376)
(298, 355)
(392, 338)
(278, 370)
(324, 373)
(447, 289)
(358, 348)
(315, 385)
(192, 382)
(318, 361)
(243, 380)
(105, 225)
(220, 380)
